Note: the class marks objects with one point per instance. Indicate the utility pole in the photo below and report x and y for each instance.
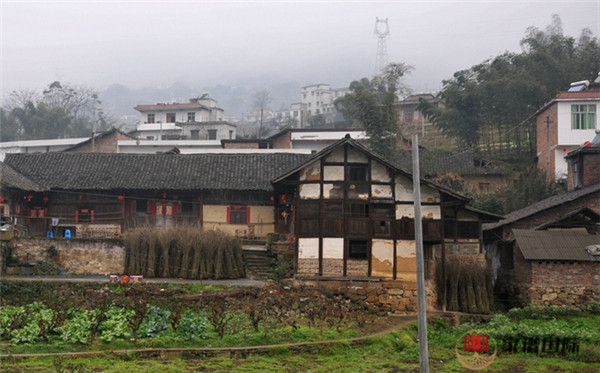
(421, 295)
(548, 121)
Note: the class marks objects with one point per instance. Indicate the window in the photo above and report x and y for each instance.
(150, 118)
(230, 135)
(583, 117)
(238, 214)
(191, 117)
(195, 134)
(357, 249)
(170, 117)
(212, 134)
(358, 173)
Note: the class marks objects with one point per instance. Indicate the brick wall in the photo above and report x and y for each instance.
(308, 267)
(544, 137)
(103, 145)
(283, 142)
(553, 282)
(357, 268)
(241, 145)
(546, 273)
(591, 169)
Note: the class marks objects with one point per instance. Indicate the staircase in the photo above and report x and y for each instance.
(259, 262)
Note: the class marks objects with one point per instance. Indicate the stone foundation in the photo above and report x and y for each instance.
(394, 297)
(93, 257)
(578, 296)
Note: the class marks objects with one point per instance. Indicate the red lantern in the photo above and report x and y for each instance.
(164, 195)
(564, 149)
(46, 199)
(120, 198)
(81, 196)
(29, 198)
(283, 198)
(1, 199)
(272, 199)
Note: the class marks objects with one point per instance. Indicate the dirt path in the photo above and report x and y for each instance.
(403, 321)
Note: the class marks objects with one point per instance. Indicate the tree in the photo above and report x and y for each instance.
(261, 102)
(371, 104)
(491, 105)
(61, 111)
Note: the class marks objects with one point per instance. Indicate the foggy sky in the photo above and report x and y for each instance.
(141, 44)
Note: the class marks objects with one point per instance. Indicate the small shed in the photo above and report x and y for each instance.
(556, 266)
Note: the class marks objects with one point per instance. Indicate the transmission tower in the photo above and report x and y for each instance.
(382, 33)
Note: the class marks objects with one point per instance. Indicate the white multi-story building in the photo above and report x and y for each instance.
(295, 115)
(566, 123)
(319, 100)
(199, 119)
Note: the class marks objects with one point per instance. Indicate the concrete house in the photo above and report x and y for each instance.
(198, 119)
(564, 124)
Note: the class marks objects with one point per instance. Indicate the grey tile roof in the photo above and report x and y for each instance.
(545, 204)
(556, 244)
(9, 178)
(96, 171)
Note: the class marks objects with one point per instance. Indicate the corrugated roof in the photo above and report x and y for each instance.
(556, 244)
(96, 171)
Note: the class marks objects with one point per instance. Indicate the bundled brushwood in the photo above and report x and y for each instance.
(468, 286)
(184, 251)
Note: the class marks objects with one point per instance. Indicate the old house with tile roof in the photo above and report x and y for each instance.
(231, 192)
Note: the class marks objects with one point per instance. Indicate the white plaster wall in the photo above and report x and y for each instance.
(355, 156)
(427, 212)
(333, 248)
(379, 172)
(568, 136)
(336, 156)
(404, 189)
(333, 173)
(308, 248)
(311, 172)
(309, 191)
(381, 191)
(406, 249)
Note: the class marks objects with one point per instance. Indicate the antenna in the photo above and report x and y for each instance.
(382, 33)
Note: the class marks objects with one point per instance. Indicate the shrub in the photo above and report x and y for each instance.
(594, 308)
